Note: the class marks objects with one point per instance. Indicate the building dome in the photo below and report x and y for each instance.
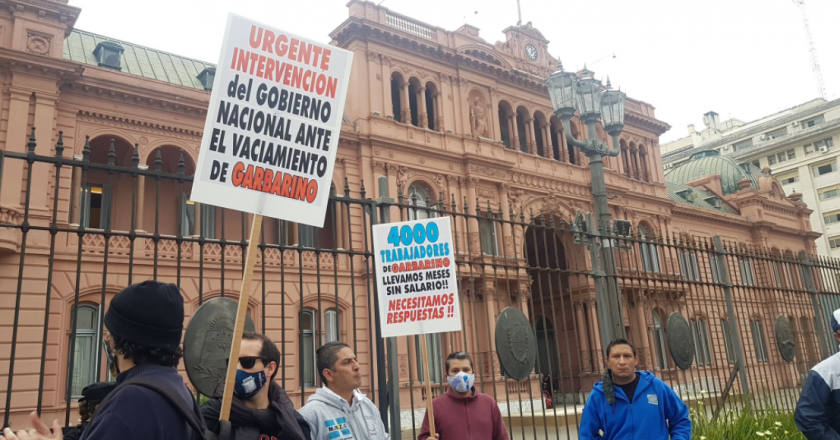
(709, 163)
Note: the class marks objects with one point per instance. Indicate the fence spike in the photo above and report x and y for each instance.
(135, 157)
(30, 146)
(346, 187)
(441, 201)
(112, 153)
(181, 164)
(86, 150)
(454, 205)
(362, 191)
(332, 189)
(158, 161)
(59, 146)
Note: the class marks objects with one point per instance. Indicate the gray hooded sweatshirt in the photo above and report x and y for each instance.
(331, 418)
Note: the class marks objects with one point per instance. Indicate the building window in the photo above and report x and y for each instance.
(187, 216)
(789, 180)
(715, 268)
(489, 239)
(700, 332)
(330, 326)
(208, 220)
(791, 154)
(821, 170)
(96, 206)
(86, 350)
(758, 341)
(809, 149)
(306, 236)
(771, 160)
(782, 157)
(307, 330)
(688, 266)
(756, 164)
(650, 255)
(775, 134)
(821, 146)
(746, 273)
(422, 206)
(659, 341)
(284, 233)
(813, 121)
(727, 341)
(834, 242)
(746, 143)
(831, 218)
(435, 353)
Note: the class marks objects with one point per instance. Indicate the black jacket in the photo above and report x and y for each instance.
(280, 421)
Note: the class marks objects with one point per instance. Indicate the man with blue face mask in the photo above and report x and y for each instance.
(260, 409)
(463, 412)
(818, 410)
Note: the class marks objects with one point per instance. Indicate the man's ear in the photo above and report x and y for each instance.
(270, 369)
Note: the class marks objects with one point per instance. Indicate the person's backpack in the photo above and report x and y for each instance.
(192, 415)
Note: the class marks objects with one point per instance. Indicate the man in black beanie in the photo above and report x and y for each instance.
(144, 323)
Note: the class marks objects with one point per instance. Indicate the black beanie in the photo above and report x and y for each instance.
(150, 314)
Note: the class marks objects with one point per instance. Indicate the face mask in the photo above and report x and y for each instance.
(461, 382)
(247, 384)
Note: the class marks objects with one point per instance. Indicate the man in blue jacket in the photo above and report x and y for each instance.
(632, 404)
(818, 411)
(144, 324)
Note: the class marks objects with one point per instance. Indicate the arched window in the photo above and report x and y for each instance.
(650, 255)
(331, 333)
(758, 340)
(435, 352)
(431, 97)
(397, 104)
(700, 332)
(86, 350)
(421, 201)
(659, 340)
(307, 335)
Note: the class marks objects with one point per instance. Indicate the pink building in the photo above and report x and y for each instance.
(434, 119)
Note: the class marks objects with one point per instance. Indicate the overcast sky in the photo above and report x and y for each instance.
(741, 58)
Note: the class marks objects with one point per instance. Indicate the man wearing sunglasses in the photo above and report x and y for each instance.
(260, 408)
(338, 410)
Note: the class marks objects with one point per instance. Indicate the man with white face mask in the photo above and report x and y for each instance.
(463, 412)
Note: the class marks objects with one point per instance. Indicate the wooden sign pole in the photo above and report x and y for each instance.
(429, 410)
(241, 311)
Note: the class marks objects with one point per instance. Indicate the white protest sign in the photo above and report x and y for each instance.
(415, 276)
(273, 124)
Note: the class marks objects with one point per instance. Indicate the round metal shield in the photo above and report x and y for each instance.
(207, 343)
(516, 345)
(680, 341)
(784, 339)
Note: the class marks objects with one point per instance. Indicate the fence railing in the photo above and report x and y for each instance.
(82, 230)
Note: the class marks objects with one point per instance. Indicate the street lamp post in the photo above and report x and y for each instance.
(570, 95)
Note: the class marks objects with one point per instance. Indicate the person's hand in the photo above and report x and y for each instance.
(41, 432)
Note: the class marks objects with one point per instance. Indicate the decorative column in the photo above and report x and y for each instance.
(598, 352)
(514, 133)
(423, 117)
(16, 137)
(507, 231)
(561, 141)
(460, 195)
(548, 147)
(141, 198)
(406, 104)
(438, 113)
(474, 237)
(634, 156)
(643, 329)
(583, 343)
(529, 134)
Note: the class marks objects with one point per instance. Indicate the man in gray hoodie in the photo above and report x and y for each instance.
(339, 411)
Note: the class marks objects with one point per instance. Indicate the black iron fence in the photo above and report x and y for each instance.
(86, 226)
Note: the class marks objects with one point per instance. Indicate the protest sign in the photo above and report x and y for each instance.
(415, 276)
(273, 123)
(270, 138)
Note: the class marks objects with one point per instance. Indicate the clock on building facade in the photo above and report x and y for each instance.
(531, 52)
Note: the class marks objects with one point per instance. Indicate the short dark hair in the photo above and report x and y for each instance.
(620, 341)
(327, 356)
(268, 353)
(460, 355)
(141, 354)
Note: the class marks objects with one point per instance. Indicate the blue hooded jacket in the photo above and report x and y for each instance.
(656, 413)
(818, 410)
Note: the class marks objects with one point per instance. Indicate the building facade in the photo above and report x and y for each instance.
(798, 147)
(437, 122)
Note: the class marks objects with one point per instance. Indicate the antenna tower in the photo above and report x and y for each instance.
(815, 63)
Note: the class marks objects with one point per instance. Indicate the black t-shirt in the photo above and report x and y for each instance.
(630, 388)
